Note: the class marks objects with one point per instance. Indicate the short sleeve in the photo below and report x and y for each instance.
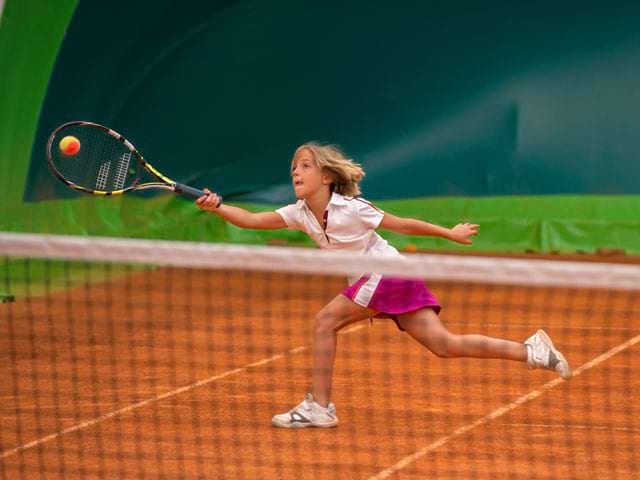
(370, 215)
(289, 214)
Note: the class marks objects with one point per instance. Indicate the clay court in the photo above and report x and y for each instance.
(170, 373)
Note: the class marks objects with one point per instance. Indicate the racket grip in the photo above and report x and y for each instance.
(187, 191)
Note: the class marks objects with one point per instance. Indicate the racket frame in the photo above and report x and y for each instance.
(165, 182)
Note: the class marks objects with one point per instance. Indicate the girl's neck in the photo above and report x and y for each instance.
(318, 201)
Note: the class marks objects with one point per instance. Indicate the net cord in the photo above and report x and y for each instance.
(435, 267)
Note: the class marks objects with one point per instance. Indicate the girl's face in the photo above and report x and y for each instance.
(308, 178)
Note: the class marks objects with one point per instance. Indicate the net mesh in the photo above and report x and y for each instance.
(137, 359)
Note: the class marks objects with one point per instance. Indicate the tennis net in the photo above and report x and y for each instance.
(140, 359)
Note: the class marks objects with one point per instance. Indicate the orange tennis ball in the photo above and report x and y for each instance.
(411, 248)
(69, 145)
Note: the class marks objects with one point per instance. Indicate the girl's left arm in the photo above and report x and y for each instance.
(461, 233)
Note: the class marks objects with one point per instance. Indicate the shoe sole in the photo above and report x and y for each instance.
(547, 340)
(279, 424)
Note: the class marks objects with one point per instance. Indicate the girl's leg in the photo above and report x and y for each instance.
(339, 313)
(425, 326)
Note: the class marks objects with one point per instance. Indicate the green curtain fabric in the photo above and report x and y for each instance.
(490, 113)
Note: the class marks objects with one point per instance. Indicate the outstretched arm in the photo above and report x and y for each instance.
(239, 216)
(461, 233)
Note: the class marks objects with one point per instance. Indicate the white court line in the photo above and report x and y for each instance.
(500, 411)
(158, 398)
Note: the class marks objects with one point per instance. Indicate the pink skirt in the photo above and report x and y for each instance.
(391, 297)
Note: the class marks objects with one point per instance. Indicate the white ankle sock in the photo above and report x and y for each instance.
(529, 354)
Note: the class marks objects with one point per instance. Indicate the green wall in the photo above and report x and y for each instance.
(513, 117)
(29, 43)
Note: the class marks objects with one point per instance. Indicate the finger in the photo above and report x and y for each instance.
(205, 200)
(213, 200)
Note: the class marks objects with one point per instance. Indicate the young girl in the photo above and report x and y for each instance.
(328, 209)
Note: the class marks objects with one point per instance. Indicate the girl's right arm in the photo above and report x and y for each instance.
(239, 216)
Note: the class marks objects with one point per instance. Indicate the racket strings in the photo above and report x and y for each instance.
(103, 162)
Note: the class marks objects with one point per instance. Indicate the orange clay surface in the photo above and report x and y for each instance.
(169, 375)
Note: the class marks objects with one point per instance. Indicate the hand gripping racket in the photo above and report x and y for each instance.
(94, 159)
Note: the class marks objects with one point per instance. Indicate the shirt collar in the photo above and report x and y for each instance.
(336, 199)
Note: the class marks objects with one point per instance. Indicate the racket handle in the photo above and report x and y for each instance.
(187, 191)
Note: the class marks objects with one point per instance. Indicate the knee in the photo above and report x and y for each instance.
(444, 347)
(324, 322)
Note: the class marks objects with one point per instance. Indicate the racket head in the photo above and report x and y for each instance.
(105, 164)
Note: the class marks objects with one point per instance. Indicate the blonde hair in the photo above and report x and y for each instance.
(344, 172)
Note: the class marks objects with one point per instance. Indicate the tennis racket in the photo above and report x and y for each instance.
(94, 159)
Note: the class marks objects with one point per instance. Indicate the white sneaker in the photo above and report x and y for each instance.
(542, 354)
(307, 414)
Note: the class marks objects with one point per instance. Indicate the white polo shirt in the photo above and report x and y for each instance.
(349, 224)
